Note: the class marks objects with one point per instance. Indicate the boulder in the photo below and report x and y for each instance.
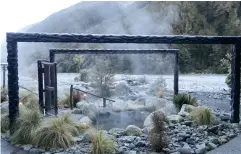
(148, 121)
(201, 149)
(117, 131)
(186, 109)
(122, 88)
(156, 102)
(133, 130)
(169, 109)
(175, 118)
(86, 120)
(87, 109)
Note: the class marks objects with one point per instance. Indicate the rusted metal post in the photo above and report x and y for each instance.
(13, 88)
(40, 86)
(176, 73)
(104, 102)
(71, 97)
(235, 84)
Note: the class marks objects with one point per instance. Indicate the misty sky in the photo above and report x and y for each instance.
(16, 14)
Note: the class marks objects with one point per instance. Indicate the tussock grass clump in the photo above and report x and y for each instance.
(82, 127)
(26, 97)
(201, 116)
(157, 135)
(181, 99)
(4, 95)
(64, 100)
(56, 134)
(101, 144)
(25, 126)
(4, 123)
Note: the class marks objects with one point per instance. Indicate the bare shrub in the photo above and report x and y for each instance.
(157, 134)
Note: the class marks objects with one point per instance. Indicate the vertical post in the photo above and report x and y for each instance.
(47, 91)
(71, 97)
(176, 71)
(40, 86)
(4, 75)
(104, 102)
(51, 56)
(55, 89)
(13, 88)
(235, 84)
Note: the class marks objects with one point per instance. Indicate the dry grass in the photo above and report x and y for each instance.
(82, 127)
(157, 135)
(25, 126)
(65, 100)
(201, 116)
(102, 144)
(4, 123)
(56, 134)
(181, 99)
(4, 95)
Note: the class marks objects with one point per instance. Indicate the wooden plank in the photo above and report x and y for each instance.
(71, 97)
(46, 85)
(176, 73)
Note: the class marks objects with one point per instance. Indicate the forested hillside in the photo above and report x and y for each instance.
(142, 18)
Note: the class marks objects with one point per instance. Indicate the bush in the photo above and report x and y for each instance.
(157, 135)
(201, 116)
(102, 77)
(4, 95)
(181, 99)
(56, 134)
(4, 123)
(101, 144)
(26, 124)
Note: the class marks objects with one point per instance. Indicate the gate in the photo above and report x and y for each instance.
(47, 83)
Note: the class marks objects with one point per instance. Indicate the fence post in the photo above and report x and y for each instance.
(104, 102)
(235, 84)
(71, 97)
(176, 71)
(55, 89)
(40, 86)
(4, 72)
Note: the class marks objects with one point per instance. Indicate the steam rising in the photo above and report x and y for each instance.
(110, 18)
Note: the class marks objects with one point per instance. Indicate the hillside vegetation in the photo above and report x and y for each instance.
(141, 18)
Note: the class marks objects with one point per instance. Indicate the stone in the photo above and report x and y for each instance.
(214, 140)
(77, 111)
(27, 147)
(86, 120)
(117, 132)
(212, 145)
(222, 139)
(175, 118)
(184, 150)
(186, 109)
(169, 109)
(224, 118)
(214, 129)
(36, 150)
(190, 141)
(157, 103)
(122, 88)
(148, 121)
(87, 137)
(201, 149)
(140, 144)
(177, 152)
(133, 130)
(187, 123)
(127, 139)
(131, 146)
(132, 152)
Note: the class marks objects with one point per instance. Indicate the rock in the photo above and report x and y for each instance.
(140, 101)
(87, 137)
(127, 139)
(184, 150)
(86, 107)
(140, 144)
(27, 147)
(201, 149)
(131, 146)
(175, 118)
(169, 109)
(36, 150)
(133, 130)
(213, 129)
(214, 140)
(121, 150)
(212, 145)
(186, 109)
(86, 120)
(175, 152)
(132, 152)
(225, 118)
(155, 102)
(122, 88)
(117, 132)
(222, 139)
(77, 111)
(148, 122)
(187, 123)
(190, 141)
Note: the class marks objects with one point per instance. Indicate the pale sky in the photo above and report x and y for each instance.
(16, 14)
